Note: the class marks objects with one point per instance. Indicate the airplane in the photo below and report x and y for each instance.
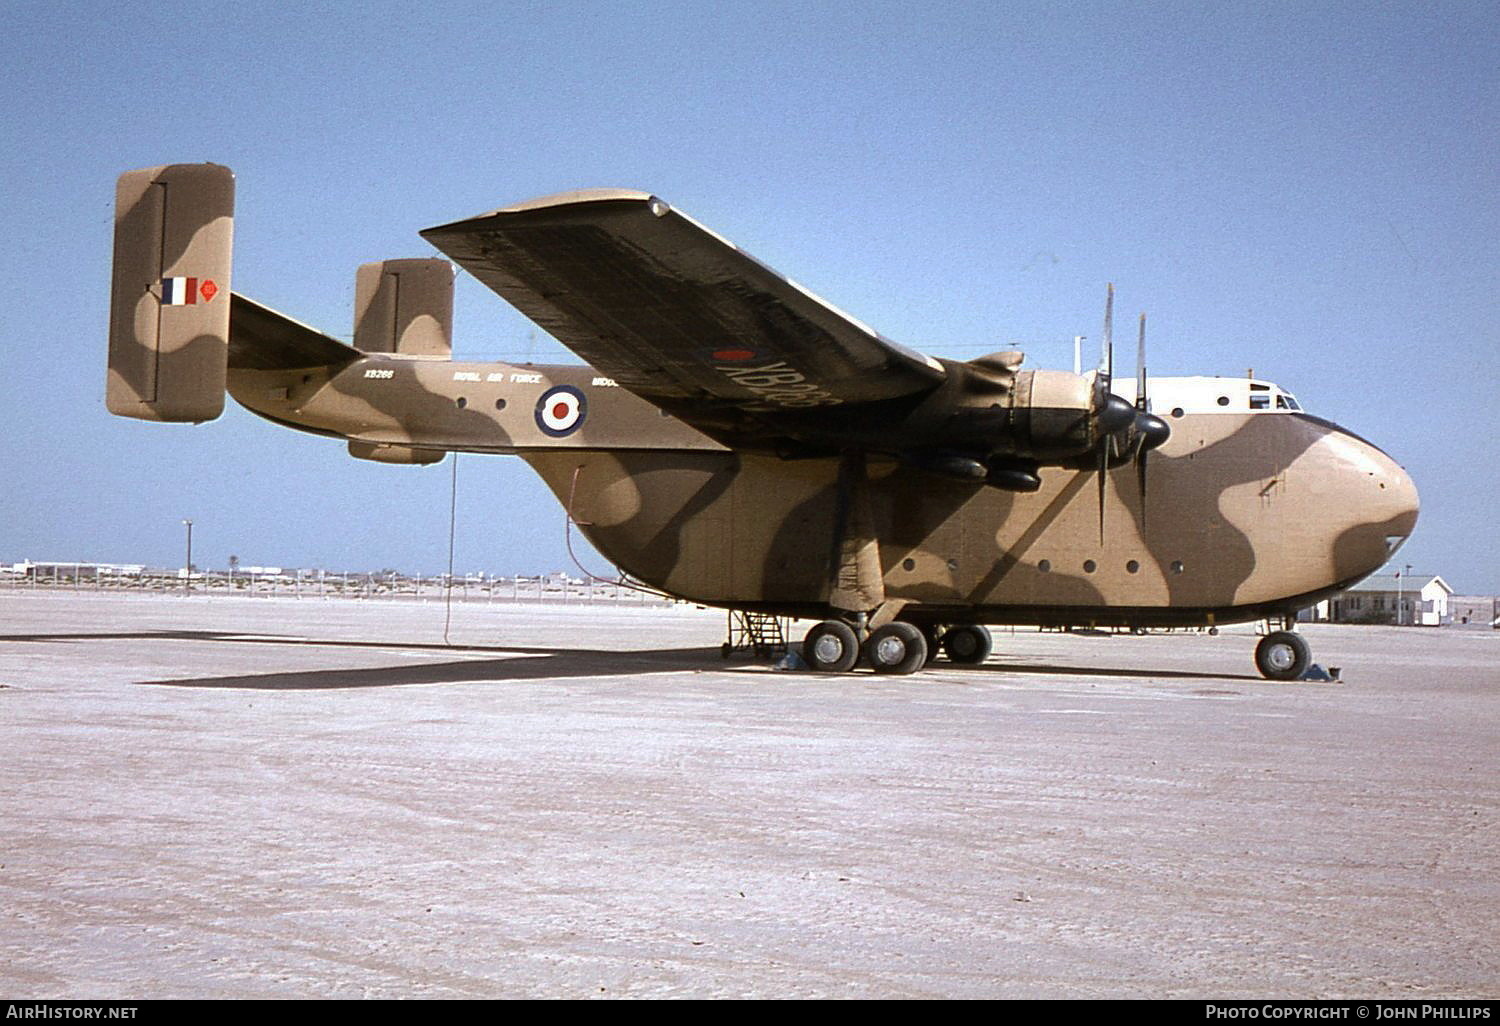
(738, 442)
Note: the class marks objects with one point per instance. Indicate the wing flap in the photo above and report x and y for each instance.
(673, 311)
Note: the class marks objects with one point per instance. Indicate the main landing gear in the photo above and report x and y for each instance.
(898, 647)
(831, 647)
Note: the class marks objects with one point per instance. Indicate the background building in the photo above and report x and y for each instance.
(1397, 597)
(1474, 610)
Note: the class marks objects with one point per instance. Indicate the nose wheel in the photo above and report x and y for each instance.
(1282, 655)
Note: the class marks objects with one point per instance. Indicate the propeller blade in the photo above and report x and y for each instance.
(1150, 432)
(1109, 333)
(1106, 351)
(1140, 367)
(1140, 406)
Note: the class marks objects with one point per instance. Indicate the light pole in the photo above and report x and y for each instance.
(187, 576)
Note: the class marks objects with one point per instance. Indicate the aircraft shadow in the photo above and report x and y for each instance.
(518, 663)
(1109, 671)
(524, 664)
(247, 637)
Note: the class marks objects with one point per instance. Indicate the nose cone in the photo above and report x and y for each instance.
(1379, 506)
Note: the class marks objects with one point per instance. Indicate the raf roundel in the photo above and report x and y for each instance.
(560, 411)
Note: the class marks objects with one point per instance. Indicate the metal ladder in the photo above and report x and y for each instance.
(758, 633)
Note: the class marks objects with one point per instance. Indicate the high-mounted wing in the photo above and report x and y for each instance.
(675, 313)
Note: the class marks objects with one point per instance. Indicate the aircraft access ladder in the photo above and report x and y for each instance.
(762, 634)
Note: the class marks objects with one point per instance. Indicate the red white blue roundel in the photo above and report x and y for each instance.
(561, 410)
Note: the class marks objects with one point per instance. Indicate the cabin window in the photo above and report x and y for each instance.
(1045, 566)
(1089, 566)
(1177, 566)
(499, 404)
(1132, 566)
(461, 402)
(908, 564)
(1223, 400)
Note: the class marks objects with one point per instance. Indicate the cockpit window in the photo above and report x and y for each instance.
(1260, 402)
(1286, 402)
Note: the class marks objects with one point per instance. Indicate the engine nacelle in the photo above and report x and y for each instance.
(996, 421)
(994, 410)
(1053, 415)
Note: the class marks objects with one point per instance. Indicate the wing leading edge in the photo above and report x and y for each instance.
(675, 313)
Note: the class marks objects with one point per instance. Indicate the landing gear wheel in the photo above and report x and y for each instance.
(930, 635)
(969, 644)
(898, 647)
(1282, 655)
(830, 647)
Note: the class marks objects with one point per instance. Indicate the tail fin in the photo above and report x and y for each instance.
(404, 306)
(169, 305)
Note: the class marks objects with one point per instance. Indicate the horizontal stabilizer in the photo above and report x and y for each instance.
(262, 339)
(169, 300)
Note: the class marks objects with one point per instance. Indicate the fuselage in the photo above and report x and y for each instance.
(1253, 508)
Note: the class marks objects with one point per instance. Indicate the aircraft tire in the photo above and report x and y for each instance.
(831, 647)
(930, 635)
(1282, 655)
(896, 648)
(968, 645)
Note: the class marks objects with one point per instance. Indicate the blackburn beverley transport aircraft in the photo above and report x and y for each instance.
(739, 442)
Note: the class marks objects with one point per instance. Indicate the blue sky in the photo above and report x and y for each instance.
(1307, 189)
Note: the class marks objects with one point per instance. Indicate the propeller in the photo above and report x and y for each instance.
(1111, 413)
(1115, 416)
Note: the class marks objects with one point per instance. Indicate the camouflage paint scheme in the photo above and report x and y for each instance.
(167, 362)
(811, 510)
